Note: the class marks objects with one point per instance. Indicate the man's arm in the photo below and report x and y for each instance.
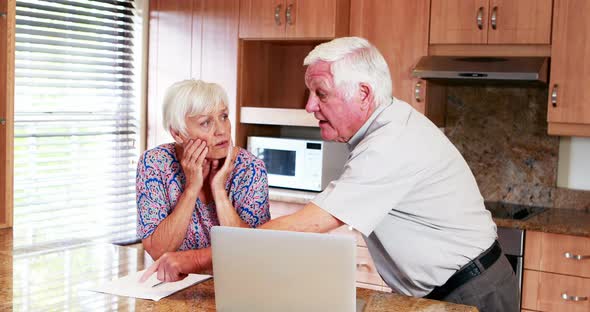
(174, 266)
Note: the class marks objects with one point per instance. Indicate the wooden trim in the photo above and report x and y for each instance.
(277, 116)
(567, 129)
(490, 49)
(7, 112)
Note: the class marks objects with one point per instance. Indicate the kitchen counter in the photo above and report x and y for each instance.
(56, 278)
(552, 220)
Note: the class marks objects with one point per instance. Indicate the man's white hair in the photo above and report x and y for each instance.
(354, 60)
(189, 98)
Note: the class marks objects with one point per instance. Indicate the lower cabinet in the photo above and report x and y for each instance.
(366, 272)
(557, 272)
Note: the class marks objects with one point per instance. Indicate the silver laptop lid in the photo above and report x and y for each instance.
(267, 270)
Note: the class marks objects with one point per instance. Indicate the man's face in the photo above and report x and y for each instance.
(339, 119)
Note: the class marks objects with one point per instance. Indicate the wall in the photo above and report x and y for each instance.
(502, 133)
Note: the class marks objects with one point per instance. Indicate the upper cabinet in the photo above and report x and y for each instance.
(569, 95)
(293, 19)
(399, 29)
(490, 22)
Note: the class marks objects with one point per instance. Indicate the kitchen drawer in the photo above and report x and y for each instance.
(366, 272)
(543, 292)
(557, 253)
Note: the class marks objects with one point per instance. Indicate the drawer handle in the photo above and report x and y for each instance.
(288, 14)
(554, 96)
(363, 264)
(567, 297)
(570, 255)
(494, 17)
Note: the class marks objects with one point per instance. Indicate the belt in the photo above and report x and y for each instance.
(467, 272)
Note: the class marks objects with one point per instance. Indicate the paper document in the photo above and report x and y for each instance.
(129, 286)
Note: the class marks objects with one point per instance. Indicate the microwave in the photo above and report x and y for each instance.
(298, 163)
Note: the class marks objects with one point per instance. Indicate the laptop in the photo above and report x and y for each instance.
(268, 270)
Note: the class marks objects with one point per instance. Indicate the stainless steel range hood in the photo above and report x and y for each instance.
(460, 68)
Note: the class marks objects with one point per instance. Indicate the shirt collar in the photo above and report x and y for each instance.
(362, 132)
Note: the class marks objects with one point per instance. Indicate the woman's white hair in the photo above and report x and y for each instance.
(354, 60)
(189, 98)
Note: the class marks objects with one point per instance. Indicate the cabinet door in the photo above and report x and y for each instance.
(262, 19)
(399, 29)
(316, 18)
(458, 21)
(520, 21)
(570, 64)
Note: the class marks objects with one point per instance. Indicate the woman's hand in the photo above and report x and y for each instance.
(194, 165)
(218, 176)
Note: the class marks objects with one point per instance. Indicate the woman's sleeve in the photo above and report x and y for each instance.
(251, 196)
(152, 206)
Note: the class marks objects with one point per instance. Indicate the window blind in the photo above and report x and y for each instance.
(77, 77)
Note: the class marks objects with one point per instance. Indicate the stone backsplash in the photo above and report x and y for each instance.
(502, 133)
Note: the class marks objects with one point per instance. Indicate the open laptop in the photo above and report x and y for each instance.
(267, 270)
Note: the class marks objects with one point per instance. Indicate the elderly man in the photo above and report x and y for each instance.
(405, 187)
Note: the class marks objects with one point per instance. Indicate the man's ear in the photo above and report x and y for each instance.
(177, 136)
(366, 96)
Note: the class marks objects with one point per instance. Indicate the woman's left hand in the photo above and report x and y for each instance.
(218, 174)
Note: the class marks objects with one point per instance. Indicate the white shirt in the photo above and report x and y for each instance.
(411, 194)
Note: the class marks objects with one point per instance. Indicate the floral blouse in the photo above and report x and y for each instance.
(160, 182)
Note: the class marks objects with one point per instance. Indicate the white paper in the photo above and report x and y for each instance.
(129, 286)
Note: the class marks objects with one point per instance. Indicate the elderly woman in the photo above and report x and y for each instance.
(186, 187)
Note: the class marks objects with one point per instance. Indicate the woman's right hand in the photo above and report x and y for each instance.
(194, 165)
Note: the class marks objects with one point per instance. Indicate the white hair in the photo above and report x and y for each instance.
(189, 98)
(354, 60)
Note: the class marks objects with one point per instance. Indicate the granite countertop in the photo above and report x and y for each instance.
(55, 279)
(552, 220)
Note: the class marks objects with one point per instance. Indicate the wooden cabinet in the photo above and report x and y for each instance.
(557, 272)
(399, 29)
(293, 19)
(569, 95)
(490, 22)
(190, 39)
(366, 272)
(7, 22)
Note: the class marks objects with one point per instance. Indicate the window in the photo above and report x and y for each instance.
(77, 90)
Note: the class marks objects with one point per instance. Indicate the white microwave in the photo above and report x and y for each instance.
(299, 164)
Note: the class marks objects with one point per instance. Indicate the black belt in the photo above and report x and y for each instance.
(467, 272)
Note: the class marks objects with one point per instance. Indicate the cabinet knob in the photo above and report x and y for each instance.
(2, 14)
(278, 15)
(494, 19)
(554, 96)
(288, 14)
(479, 18)
(2, 121)
(570, 255)
(567, 297)
(417, 89)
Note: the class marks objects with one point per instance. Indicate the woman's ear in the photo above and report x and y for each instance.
(177, 136)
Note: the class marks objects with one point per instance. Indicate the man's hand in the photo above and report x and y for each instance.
(175, 266)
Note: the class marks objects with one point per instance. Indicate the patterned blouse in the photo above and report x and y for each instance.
(160, 182)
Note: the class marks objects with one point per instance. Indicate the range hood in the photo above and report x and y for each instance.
(461, 68)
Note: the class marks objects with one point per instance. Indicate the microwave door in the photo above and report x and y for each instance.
(283, 161)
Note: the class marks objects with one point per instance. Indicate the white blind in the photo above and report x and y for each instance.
(77, 82)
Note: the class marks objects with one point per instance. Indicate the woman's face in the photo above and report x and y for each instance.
(214, 128)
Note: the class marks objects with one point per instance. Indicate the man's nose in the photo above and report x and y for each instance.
(312, 105)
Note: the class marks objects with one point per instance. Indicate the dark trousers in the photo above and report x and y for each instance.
(495, 289)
